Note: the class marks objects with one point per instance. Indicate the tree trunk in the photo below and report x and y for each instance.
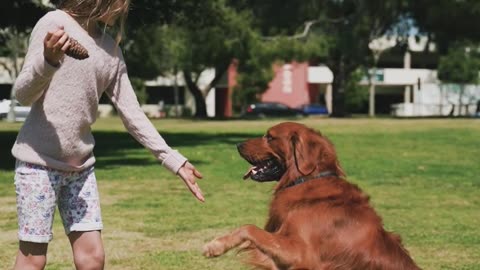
(200, 104)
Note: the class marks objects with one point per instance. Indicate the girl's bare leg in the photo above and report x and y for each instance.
(88, 252)
(31, 256)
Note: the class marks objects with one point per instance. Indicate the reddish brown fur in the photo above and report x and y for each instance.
(321, 224)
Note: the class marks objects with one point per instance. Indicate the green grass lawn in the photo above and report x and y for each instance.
(423, 177)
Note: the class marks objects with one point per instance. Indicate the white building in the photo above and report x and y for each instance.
(417, 90)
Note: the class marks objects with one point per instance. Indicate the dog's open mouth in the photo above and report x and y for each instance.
(266, 170)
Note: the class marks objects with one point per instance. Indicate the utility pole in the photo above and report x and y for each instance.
(371, 92)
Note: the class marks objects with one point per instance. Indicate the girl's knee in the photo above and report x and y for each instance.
(88, 252)
(31, 256)
(93, 259)
(30, 262)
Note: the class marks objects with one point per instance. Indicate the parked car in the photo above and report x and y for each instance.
(314, 109)
(20, 111)
(271, 109)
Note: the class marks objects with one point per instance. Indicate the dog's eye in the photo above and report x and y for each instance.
(269, 138)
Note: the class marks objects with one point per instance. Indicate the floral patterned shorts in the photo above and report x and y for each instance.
(39, 189)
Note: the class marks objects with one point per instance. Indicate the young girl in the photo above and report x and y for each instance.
(54, 147)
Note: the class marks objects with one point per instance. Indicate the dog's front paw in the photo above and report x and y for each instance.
(213, 249)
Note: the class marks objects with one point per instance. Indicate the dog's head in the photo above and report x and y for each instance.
(289, 151)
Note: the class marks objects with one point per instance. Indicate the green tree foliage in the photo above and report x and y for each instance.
(20, 14)
(210, 33)
(196, 36)
(256, 68)
(452, 26)
(140, 89)
(356, 95)
(17, 18)
(190, 36)
(152, 51)
(460, 65)
(347, 27)
(446, 22)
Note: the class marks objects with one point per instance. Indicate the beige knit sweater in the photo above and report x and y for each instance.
(64, 101)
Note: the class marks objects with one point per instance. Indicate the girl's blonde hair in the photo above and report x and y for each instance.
(92, 10)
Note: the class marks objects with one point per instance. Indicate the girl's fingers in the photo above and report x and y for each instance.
(66, 45)
(189, 175)
(198, 193)
(61, 42)
(54, 38)
(48, 36)
(195, 189)
(197, 173)
(57, 36)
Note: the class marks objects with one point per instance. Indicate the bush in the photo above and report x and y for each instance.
(140, 89)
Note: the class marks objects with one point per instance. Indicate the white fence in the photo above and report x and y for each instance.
(440, 100)
(431, 110)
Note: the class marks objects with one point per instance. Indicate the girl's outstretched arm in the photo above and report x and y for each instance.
(139, 126)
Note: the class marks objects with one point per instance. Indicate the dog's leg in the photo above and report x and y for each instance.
(224, 243)
(283, 251)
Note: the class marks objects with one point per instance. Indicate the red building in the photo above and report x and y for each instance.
(294, 84)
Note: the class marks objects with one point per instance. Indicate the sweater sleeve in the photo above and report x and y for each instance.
(138, 125)
(36, 72)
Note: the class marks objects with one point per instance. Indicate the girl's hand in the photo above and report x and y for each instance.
(55, 45)
(189, 175)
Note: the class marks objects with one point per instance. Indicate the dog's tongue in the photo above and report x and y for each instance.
(249, 172)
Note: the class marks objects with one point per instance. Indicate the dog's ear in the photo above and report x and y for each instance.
(302, 154)
(312, 151)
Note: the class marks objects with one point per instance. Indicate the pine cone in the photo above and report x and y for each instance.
(76, 50)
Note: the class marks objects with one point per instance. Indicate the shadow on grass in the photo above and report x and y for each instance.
(111, 146)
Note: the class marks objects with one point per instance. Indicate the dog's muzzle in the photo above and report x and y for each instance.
(270, 169)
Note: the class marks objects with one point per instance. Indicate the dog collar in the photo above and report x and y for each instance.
(301, 180)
